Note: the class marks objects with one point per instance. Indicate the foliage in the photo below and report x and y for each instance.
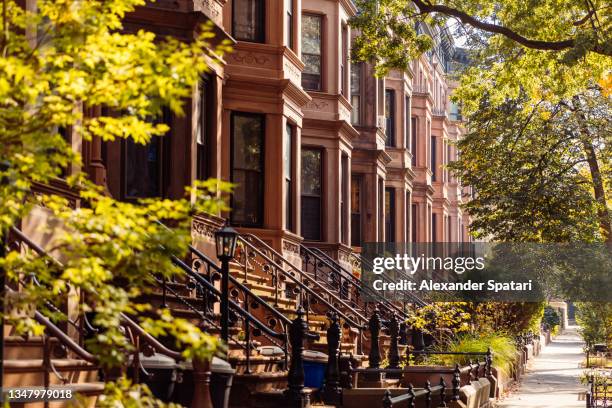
(595, 320)
(502, 347)
(124, 394)
(549, 44)
(440, 319)
(58, 62)
(551, 318)
(529, 165)
(513, 318)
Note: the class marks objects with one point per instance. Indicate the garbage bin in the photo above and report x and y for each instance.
(222, 375)
(162, 374)
(314, 368)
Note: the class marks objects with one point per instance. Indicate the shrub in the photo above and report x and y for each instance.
(551, 319)
(502, 347)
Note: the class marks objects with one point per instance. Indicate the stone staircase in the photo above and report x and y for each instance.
(266, 293)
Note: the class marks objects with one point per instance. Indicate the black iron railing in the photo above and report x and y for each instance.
(290, 282)
(319, 263)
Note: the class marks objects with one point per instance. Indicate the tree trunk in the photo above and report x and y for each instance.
(603, 212)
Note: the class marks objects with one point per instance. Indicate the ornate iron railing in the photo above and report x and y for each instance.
(316, 260)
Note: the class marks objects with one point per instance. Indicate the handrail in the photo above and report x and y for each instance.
(412, 395)
(60, 335)
(216, 292)
(333, 265)
(304, 287)
(152, 341)
(242, 287)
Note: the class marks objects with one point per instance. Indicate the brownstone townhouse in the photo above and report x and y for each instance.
(324, 155)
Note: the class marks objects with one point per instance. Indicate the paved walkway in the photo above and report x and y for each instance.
(552, 378)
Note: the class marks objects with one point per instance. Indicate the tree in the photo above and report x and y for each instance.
(595, 320)
(540, 171)
(559, 46)
(67, 55)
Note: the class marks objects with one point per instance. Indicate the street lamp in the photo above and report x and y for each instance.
(225, 241)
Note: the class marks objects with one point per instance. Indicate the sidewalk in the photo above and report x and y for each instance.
(552, 378)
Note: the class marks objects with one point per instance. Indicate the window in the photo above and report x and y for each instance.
(290, 28)
(414, 218)
(390, 117)
(381, 205)
(448, 160)
(389, 214)
(288, 169)
(204, 128)
(356, 93)
(144, 170)
(407, 122)
(433, 158)
(356, 210)
(247, 137)
(248, 20)
(344, 61)
(311, 51)
(434, 227)
(413, 142)
(311, 193)
(407, 219)
(381, 96)
(344, 172)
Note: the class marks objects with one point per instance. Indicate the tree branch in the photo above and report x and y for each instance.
(505, 31)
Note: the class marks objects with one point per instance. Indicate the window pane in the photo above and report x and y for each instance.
(143, 169)
(287, 151)
(311, 194)
(289, 28)
(355, 211)
(312, 64)
(311, 52)
(248, 20)
(390, 116)
(413, 142)
(247, 169)
(356, 93)
(287, 168)
(433, 158)
(247, 147)
(311, 34)
(311, 218)
(311, 172)
(389, 215)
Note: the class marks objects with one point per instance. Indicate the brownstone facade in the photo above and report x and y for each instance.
(321, 150)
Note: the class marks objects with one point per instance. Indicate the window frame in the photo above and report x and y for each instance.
(390, 233)
(359, 118)
(289, 178)
(321, 18)
(390, 120)
(206, 105)
(357, 179)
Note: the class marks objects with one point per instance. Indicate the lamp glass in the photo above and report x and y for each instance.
(225, 241)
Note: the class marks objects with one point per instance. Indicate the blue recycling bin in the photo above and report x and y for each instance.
(314, 368)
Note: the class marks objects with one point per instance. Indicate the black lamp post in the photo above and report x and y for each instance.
(225, 240)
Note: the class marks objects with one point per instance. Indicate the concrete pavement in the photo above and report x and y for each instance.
(552, 378)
